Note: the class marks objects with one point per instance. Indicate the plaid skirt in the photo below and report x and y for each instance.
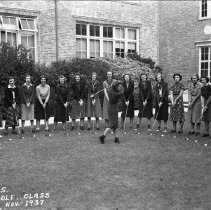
(11, 116)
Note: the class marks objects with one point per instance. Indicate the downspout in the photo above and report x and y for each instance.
(56, 30)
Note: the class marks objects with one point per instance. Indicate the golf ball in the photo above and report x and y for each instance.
(162, 135)
(174, 137)
(125, 132)
(34, 136)
(196, 141)
(49, 134)
(150, 134)
(138, 133)
(205, 145)
(187, 139)
(10, 139)
(79, 133)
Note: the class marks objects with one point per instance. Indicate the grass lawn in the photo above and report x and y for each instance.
(148, 172)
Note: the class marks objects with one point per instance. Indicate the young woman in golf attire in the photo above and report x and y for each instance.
(206, 104)
(161, 102)
(78, 97)
(106, 85)
(11, 106)
(27, 96)
(61, 103)
(194, 98)
(128, 100)
(114, 95)
(145, 100)
(93, 101)
(42, 105)
(177, 108)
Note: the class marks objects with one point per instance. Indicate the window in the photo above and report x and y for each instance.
(94, 30)
(120, 49)
(17, 30)
(120, 33)
(108, 49)
(107, 31)
(81, 48)
(8, 37)
(132, 34)
(205, 61)
(94, 48)
(105, 41)
(81, 29)
(27, 40)
(27, 24)
(9, 23)
(131, 47)
(204, 8)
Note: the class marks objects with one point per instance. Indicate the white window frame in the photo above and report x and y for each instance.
(209, 59)
(34, 22)
(5, 26)
(111, 39)
(20, 32)
(208, 10)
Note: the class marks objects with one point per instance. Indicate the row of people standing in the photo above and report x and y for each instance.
(34, 102)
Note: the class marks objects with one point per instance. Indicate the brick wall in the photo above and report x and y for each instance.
(143, 15)
(179, 28)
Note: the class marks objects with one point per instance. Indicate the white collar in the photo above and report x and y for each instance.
(9, 86)
(30, 84)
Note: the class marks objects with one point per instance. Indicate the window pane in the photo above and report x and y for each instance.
(92, 31)
(83, 29)
(24, 24)
(94, 48)
(32, 54)
(9, 38)
(120, 33)
(78, 31)
(31, 41)
(120, 49)
(31, 24)
(3, 36)
(204, 53)
(81, 46)
(13, 21)
(110, 32)
(24, 41)
(14, 42)
(132, 34)
(105, 31)
(97, 30)
(6, 20)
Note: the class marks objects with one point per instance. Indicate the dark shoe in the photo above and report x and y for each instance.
(22, 131)
(88, 129)
(179, 132)
(6, 132)
(173, 131)
(97, 129)
(205, 135)
(72, 128)
(102, 139)
(47, 130)
(14, 132)
(197, 133)
(116, 140)
(33, 130)
(191, 132)
(81, 128)
(137, 126)
(158, 129)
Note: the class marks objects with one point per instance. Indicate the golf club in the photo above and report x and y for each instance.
(125, 120)
(138, 133)
(66, 133)
(79, 122)
(153, 125)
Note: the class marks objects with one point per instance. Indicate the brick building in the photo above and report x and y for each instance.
(176, 34)
(57, 29)
(185, 37)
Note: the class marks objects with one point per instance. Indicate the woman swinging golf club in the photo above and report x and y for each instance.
(114, 96)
